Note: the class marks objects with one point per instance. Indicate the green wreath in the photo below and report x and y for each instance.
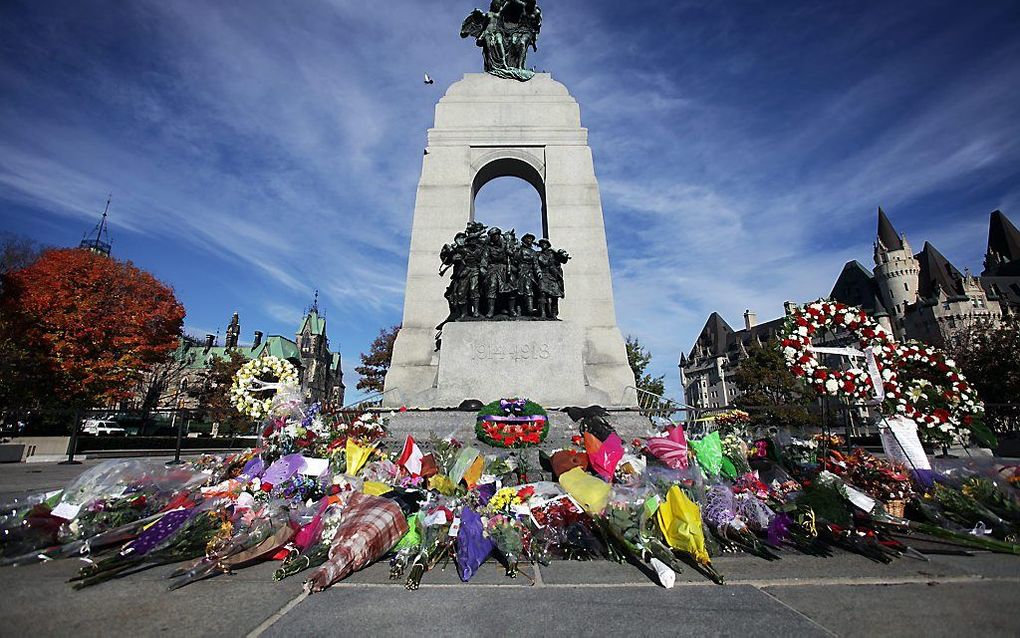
(512, 423)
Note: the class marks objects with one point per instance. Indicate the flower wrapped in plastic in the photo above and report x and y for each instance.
(591, 492)
(680, 521)
(510, 539)
(473, 547)
(721, 512)
(708, 451)
(671, 449)
(370, 526)
(436, 542)
(311, 547)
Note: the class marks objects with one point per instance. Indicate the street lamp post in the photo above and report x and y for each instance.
(72, 445)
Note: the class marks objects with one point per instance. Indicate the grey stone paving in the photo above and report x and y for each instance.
(797, 596)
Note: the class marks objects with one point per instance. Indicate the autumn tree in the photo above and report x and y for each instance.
(376, 361)
(95, 323)
(639, 359)
(989, 356)
(214, 395)
(769, 392)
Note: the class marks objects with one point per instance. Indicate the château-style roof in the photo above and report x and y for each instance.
(887, 234)
(715, 336)
(936, 273)
(1004, 246)
(718, 339)
(856, 286)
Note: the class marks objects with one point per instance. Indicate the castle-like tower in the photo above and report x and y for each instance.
(896, 271)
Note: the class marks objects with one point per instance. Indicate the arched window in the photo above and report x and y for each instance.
(509, 202)
(510, 193)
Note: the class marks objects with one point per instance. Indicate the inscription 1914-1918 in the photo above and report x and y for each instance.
(509, 352)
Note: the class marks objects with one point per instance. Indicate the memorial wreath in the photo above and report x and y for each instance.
(914, 380)
(256, 383)
(512, 423)
(857, 385)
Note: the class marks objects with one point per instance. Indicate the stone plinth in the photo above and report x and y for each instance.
(486, 128)
(540, 360)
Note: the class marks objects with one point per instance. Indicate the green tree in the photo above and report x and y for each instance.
(214, 396)
(769, 392)
(639, 359)
(376, 361)
(989, 356)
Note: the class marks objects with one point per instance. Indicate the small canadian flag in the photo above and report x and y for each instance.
(411, 457)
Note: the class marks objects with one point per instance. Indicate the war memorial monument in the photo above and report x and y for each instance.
(491, 312)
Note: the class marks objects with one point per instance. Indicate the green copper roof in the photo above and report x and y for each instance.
(198, 358)
(314, 323)
(280, 347)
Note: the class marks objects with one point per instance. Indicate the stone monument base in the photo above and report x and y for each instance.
(540, 360)
(548, 362)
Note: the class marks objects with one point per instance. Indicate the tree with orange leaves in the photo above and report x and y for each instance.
(94, 322)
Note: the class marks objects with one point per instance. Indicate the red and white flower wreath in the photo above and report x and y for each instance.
(857, 385)
(951, 406)
(942, 410)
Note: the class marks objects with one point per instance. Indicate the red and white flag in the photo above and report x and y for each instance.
(411, 457)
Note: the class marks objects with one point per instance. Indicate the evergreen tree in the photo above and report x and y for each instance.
(376, 361)
(639, 359)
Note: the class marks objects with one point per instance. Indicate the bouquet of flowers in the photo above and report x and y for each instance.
(511, 540)
(887, 482)
(734, 422)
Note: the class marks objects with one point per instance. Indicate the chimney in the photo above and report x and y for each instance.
(750, 319)
(258, 340)
(210, 341)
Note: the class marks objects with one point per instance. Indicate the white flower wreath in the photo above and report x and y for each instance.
(256, 383)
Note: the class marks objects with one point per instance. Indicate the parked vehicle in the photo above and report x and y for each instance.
(104, 427)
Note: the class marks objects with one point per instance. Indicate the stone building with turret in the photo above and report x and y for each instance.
(918, 296)
(320, 371)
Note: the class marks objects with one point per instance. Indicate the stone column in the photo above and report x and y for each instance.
(487, 127)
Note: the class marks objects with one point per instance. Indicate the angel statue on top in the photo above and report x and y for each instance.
(505, 34)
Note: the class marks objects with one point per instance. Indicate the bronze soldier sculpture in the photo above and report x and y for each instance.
(516, 281)
(550, 263)
(527, 275)
(497, 274)
(452, 256)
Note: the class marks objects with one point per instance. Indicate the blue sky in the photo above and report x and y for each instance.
(258, 150)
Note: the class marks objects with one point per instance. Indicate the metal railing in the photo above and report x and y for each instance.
(349, 413)
(653, 405)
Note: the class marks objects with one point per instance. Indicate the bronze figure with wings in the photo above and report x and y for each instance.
(505, 33)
